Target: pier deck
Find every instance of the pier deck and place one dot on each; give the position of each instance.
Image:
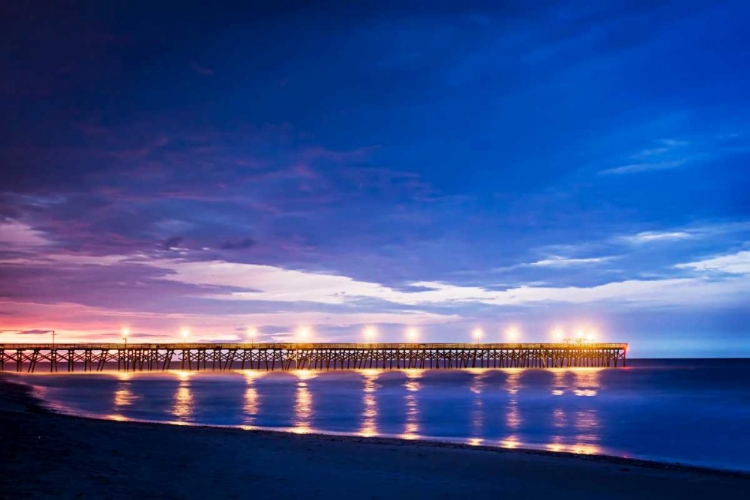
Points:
(318, 356)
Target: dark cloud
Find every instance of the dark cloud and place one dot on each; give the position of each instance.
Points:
(27, 332)
(241, 244)
(172, 243)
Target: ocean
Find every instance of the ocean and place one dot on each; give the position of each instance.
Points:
(682, 411)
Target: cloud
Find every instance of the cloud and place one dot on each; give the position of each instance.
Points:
(27, 332)
(325, 154)
(269, 283)
(60, 260)
(19, 234)
(172, 243)
(664, 154)
(643, 167)
(737, 263)
(556, 261)
(657, 236)
(241, 244)
(674, 142)
(705, 230)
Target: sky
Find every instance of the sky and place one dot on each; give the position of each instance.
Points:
(444, 166)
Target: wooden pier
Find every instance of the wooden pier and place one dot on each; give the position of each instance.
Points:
(297, 356)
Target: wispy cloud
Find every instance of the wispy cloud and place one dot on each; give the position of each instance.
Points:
(643, 167)
(737, 263)
(657, 236)
(707, 229)
(557, 261)
(27, 332)
(664, 154)
(326, 154)
(18, 234)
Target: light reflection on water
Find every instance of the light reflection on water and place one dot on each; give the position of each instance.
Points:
(182, 408)
(512, 386)
(411, 429)
(123, 395)
(651, 414)
(477, 413)
(303, 409)
(370, 403)
(586, 419)
(252, 400)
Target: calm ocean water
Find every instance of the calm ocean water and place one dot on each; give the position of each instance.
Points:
(687, 411)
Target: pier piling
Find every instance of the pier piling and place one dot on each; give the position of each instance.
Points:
(304, 356)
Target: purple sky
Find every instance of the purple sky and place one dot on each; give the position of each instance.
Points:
(572, 165)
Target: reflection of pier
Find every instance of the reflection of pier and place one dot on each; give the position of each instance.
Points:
(273, 356)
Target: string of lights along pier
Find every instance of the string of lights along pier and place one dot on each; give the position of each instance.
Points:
(303, 356)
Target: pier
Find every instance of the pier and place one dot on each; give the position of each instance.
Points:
(54, 358)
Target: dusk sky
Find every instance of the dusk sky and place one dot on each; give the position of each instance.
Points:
(535, 165)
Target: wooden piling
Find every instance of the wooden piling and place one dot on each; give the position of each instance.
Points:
(272, 356)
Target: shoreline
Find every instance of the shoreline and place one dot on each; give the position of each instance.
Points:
(44, 406)
(391, 439)
(17, 403)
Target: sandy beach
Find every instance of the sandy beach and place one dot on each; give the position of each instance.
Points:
(46, 455)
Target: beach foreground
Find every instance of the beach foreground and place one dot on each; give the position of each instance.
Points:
(46, 455)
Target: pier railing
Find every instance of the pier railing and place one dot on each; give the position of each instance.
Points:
(320, 356)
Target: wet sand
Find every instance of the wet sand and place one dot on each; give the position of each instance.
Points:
(46, 455)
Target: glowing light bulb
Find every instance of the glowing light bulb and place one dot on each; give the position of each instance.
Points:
(304, 333)
(185, 332)
(558, 334)
(125, 333)
(513, 334)
(370, 334)
(477, 334)
(412, 333)
(251, 332)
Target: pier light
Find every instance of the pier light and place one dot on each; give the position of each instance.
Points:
(370, 333)
(184, 333)
(513, 334)
(579, 335)
(303, 334)
(251, 333)
(125, 334)
(412, 334)
(477, 334)
(558, 334)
